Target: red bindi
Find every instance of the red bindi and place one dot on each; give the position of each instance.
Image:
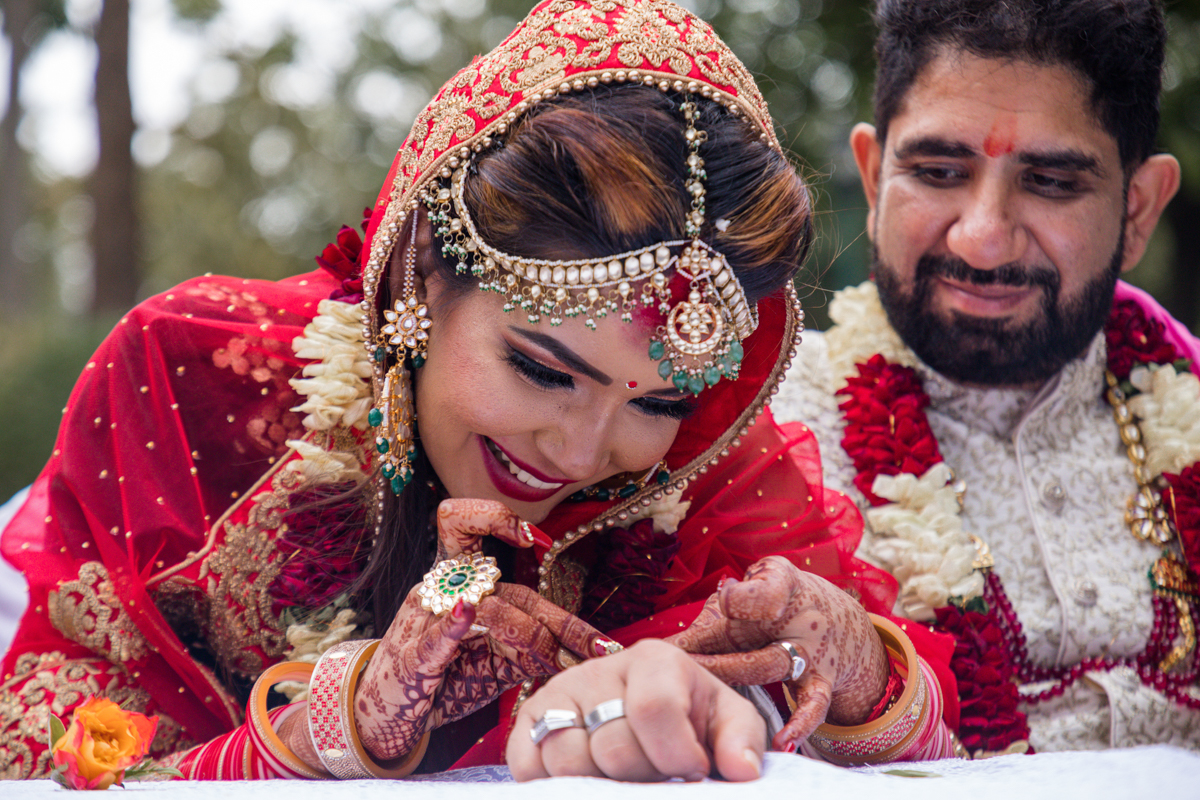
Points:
(631, 385)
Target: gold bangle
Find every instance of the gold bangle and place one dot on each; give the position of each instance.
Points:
(881, 739)
(262, 734)
(331, 715)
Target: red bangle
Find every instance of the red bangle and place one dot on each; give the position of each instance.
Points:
(891, 693)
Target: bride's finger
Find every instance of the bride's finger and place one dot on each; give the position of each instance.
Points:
(461, 523)
(519, 638)
(765, 593)
(569, 630)
(438, 644)
(769, 664)
(812, 695)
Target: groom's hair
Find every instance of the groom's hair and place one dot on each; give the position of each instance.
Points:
(1114, 46)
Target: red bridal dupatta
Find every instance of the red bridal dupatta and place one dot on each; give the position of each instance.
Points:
(152, 539)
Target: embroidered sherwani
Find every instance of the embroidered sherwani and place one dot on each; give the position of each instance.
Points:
(1047, 482)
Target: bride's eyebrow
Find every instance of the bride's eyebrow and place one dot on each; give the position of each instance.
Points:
(564, 354)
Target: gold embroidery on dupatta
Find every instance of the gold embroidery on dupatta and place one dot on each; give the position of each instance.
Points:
(87, 611)
(239, 573)
(51, 683)
(57, 683)
(659, 39)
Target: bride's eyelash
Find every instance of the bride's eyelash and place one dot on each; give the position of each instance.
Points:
(671, 409)
(539, 373)
(548, 378)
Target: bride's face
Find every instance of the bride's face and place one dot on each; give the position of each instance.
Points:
(528, 414)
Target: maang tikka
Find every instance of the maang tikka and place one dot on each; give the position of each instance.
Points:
(701, 340)
(405, 335)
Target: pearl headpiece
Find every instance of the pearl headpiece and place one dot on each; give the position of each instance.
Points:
(701, 340)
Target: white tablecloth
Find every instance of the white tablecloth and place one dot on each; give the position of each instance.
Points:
(1157, 773)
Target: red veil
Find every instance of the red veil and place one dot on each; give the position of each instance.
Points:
(150, 539)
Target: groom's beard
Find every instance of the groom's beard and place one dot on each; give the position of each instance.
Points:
(989, 351)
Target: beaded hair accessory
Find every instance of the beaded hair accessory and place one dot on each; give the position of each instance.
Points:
(563, 47)
(701, 340)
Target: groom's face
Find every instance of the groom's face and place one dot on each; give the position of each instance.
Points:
(997, 218)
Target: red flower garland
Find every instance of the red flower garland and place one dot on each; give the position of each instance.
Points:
(340, 259)
(887, 433)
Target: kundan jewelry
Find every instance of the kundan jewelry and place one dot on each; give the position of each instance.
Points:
(405, 336)
(469, 577)
(701, 340)
(658, 474)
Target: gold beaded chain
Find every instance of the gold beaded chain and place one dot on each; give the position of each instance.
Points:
(1148, 520)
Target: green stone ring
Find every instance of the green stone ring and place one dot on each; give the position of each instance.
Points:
(467, 576)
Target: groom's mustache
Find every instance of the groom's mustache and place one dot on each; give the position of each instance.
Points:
(1012, 274)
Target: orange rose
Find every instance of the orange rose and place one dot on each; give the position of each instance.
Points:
(102, 741)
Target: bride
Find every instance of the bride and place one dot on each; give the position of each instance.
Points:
(527, 431)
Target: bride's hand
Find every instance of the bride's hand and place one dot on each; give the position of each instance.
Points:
(738, 634)
(431, 670)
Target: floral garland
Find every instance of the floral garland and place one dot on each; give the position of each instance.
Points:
(916, 504)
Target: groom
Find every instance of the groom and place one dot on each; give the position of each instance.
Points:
(1021, 445)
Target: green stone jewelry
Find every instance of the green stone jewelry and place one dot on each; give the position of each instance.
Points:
(701, 340)
(405, 335)
(658, 474)
(468, 576)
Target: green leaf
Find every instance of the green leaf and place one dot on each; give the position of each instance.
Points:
(910, 773)
(57, 730)
(148, 768)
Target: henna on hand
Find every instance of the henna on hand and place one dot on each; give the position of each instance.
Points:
(847, 666)
(461, 523)
(430, 671)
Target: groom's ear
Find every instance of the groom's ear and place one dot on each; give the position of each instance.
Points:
(867, 155)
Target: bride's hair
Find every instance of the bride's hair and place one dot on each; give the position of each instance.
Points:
(589, 175)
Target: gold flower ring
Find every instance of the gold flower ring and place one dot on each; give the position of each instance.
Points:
(468, 576)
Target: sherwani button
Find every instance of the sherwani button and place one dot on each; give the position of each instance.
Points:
(1054, 495)
(1086, 593)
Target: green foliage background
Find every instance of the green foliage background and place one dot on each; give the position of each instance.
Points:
(259, 177)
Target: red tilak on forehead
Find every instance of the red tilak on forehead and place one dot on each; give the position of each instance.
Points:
(1002, 139)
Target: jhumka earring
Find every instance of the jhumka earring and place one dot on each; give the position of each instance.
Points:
(701, 340)
(405, 334)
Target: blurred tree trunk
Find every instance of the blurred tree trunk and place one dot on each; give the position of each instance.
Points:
(115, 233)
(1183, 300)
(15, 291)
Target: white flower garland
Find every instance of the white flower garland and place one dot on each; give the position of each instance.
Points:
(1170, 417)
(919, 535)
(337, 384)
(666, 514)
(307, 643)
(337, 391)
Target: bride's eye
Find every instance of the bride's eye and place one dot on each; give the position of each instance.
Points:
(538, 372)
(671, 409)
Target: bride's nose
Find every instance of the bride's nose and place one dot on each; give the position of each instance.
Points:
(578, 444)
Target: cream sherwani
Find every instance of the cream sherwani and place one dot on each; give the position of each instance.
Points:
(1047, 481)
